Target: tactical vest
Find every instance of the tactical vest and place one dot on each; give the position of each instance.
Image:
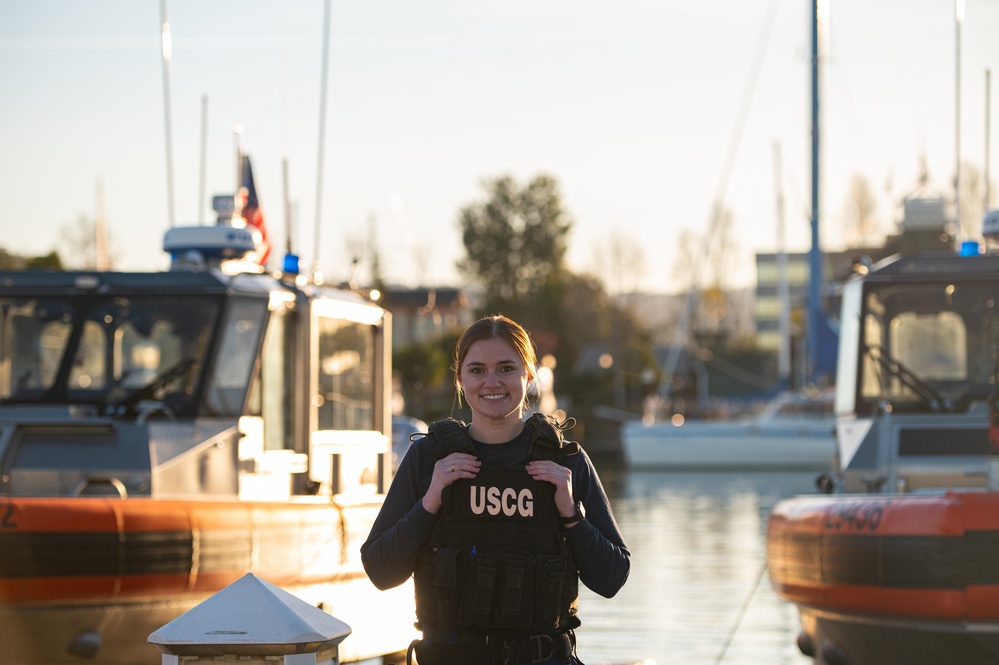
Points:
(498, 557)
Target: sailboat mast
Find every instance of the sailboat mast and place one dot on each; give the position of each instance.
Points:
(783, 296)
(815, 255)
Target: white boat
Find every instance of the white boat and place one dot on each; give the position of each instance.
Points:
(164, 434)
(793, 432)
(896, 566)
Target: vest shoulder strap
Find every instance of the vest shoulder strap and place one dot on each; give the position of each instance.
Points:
(548, 437)
(449, 436)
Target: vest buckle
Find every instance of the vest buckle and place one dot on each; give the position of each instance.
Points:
(542, 643)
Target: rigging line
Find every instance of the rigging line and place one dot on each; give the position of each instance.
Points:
(673, 359)
(742, 614)
(735, 372)
(747, 99)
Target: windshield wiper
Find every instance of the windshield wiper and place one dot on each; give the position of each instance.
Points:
(909, 379)
(148, 391)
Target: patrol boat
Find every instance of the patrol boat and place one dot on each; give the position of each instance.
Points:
(898, 563)
(162, 434)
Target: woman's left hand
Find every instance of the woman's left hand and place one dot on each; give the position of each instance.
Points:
(561, 478)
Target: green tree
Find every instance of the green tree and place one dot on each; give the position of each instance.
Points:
(50, 260)
(423, 371)
(10, 261)
(515, 243)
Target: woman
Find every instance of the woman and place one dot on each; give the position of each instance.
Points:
(496, 521)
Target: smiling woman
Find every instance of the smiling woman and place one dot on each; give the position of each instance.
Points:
(464, 495)
(493, 376)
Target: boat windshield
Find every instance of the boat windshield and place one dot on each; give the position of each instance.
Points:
(114, 352)
(929, 346)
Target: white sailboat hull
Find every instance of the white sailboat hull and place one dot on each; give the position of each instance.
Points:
(791, 434)
(664, 446)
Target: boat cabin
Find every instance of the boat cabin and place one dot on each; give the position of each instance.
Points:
(199, 381)
(919, 337)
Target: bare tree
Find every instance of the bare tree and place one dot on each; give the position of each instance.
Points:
(79, 243)
(704, 268)
(688, 248)
(722, 255)
(619, 262)
(862, 225)
(972, 201)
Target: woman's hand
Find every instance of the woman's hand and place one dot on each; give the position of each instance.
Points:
(446, 471)
(561, 478)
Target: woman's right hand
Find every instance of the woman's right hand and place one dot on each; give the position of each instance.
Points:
(446, 471)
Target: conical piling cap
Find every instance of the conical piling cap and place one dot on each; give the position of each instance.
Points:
(250, 617)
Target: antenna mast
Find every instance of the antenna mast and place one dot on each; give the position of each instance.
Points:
(204, 158)
(167, 46)
(322, 140)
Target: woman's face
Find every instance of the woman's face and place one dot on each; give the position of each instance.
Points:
(494, 379)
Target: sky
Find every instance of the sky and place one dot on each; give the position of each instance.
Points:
(646, 112)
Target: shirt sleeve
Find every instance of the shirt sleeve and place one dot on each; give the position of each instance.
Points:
(601, 554)
(403, 525)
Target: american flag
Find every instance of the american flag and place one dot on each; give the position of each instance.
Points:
(252, 213)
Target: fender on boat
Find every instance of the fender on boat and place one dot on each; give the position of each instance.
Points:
(102, 549)
(922, 556)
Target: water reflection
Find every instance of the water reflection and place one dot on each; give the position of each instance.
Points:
(698, 591)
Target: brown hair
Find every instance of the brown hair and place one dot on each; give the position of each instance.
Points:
(496, 327)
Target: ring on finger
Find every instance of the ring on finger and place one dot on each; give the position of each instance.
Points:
(452, 468)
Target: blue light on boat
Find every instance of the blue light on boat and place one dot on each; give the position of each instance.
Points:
(290, 266)
(970, 248)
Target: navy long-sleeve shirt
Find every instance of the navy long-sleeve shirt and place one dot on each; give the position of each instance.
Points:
(401, 530)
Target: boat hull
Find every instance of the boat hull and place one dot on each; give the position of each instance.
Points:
(663, 446)
(93, 577)
(849, 638)
(886, 579)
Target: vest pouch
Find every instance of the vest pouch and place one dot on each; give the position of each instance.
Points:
(423, 584)
(478, 590)
(446, 573)
(516, 597)
(550, 575)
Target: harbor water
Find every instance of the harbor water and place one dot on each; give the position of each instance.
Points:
(698, 591)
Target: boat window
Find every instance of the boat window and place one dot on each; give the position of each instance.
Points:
(849, 343)
(237, 357)
(346, 390)
(271, 395)
(89, 369)
(110, 351)
(33, 339)
(933, 346)
(871, 375)
(928, 346)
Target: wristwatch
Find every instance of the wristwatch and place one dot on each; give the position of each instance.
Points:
(578, 516)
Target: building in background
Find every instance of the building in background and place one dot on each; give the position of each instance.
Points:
(425, 313)
(924, 227)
